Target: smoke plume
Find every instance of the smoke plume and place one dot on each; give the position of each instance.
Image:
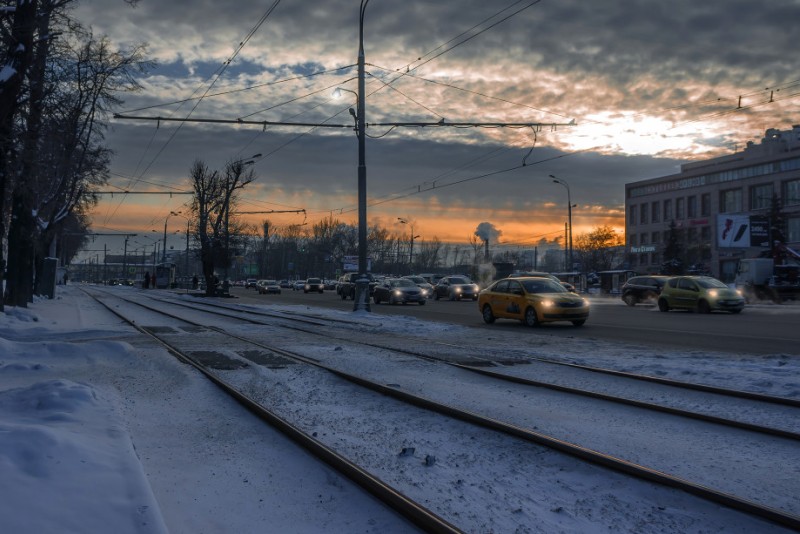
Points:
(488, 233)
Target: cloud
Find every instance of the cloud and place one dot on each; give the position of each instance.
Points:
(651, 85)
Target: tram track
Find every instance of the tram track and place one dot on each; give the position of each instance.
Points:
(629, 468)
(476, 363)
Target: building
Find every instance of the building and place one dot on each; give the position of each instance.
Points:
(722, 208)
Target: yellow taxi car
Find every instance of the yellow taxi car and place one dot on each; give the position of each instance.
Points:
(532, 300)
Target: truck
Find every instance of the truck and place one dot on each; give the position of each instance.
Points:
(765, 279)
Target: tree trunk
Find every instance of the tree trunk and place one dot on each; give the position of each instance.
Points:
(19, 288)
(20, 50)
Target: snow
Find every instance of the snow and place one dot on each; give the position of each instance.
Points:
(100, 432)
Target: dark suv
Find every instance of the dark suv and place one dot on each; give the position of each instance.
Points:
(643, 289)
(347, 285)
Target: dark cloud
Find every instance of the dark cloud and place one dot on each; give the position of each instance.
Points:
(651, 84)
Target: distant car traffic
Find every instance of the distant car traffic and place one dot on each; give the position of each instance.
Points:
(268, 286)
(313, 284)
(298, 285)
(424, 285)
(703, 294)
(455, 288)
(251, 283)
(398, 290)
(532, 300)
(643, 289)
(346, 287)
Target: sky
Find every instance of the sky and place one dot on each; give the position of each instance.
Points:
(102, 431)
(650, 85)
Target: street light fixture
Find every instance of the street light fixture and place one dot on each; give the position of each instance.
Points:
(569, 216)
(411, 248)
(164, 254)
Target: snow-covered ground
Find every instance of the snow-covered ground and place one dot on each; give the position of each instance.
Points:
(101, 431)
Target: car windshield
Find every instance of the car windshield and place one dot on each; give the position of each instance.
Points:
(545, 285)
(709, 283)
(459, 280)
(416, 279)
(314, 280)
(403, 282)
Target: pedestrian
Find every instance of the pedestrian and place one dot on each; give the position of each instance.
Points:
(146, 283)
(195, 282)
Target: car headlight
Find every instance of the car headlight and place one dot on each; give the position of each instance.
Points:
(457, 289)
(397, 292)
(713, 293)
(585, 302)
(547, 303)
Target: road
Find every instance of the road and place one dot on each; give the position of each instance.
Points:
(759, 329)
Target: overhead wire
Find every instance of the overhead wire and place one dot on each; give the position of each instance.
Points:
(220, 71)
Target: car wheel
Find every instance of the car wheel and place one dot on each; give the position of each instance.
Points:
(579, 322)
(488, 316)
(629, 299)
(703, 307)
(531, 319)
(662, 305)
(342, 294)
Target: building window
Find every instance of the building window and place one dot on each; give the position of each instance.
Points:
(632, 216)
(705, 243)
(668, 210)
(643, 218)
(793, 230)
(679, 213)
(655, 238)
(654, 212)
(760, 196)
(791, 193)
(691, 207)
(632, 240)
(643, 239)
(705, 204)
(730, 201)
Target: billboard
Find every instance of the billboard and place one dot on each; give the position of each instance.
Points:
(742, 230)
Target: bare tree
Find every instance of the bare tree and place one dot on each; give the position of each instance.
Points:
(214, 198)
(599, 249)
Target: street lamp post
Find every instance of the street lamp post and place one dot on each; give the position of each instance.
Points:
(164, 253)
(569, 216)
(411, 248)
(361, 301)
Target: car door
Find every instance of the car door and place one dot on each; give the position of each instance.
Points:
(515, 303)
(688, 293)
(498, 299)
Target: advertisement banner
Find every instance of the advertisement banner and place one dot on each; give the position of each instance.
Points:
(733, 230)
(759, 231)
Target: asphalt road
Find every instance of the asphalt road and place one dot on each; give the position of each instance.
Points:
(759, 329)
